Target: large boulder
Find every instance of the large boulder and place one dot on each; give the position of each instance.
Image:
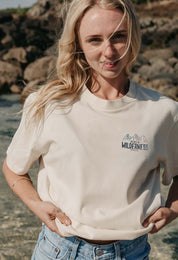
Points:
(40, 69)
(9, 74)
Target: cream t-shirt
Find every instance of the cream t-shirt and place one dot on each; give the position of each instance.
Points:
(100, 160)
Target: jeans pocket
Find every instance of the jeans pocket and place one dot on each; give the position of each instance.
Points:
(52, 250)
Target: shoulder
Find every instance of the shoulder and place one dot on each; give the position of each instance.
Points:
(30, 99)
(157, 101)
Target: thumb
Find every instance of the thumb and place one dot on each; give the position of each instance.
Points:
(148, 221)
(63, 218)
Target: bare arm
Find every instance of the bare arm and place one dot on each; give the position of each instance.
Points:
(167, 214)
(24, 189)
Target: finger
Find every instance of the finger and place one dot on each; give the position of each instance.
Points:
(157, 226)
(51, 225)
(158, 215)
(63, 218)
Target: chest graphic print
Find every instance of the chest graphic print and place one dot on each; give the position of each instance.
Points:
(134, 143)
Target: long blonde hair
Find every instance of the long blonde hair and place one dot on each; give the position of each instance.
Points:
(72, 68)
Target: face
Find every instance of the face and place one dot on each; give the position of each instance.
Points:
(103, 42)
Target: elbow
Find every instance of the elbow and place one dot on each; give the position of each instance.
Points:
(5, 167)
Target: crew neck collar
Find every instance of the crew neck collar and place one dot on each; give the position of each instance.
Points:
(109, 105)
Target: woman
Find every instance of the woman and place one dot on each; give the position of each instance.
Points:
(100, 139)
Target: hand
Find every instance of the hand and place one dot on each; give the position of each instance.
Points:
(160, 218)
(47, 212)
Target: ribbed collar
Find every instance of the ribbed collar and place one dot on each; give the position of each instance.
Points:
(108, 105)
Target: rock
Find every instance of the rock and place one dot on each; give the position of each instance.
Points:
(44, 6)
(164, 54)
(15, 89)
(44, 3)
(144, 71)
(35, 32)
(5, 17)
(172, 61)
(160, 68)
(52, 51)
(33, 53)
(170, 91)
(9, 73)
(40, 68)
(176, 68)
(146, 22)
(2, 33)
(161, 83)
(18, 54)
(7, 42)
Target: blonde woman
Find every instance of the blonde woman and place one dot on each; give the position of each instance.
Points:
(100, 139)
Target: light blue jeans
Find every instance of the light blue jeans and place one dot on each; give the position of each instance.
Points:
(52, 246)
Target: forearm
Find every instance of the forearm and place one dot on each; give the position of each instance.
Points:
(22, 187)
(45, 211)
(172, 199)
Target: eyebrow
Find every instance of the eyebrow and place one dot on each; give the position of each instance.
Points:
(98, 35)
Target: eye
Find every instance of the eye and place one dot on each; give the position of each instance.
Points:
(118, 37)
(95, 40)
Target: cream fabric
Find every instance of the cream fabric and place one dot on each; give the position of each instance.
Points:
(100, 160)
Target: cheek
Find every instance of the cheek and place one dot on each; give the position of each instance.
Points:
(91, 55)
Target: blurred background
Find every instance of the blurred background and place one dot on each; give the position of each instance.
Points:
(29, 30)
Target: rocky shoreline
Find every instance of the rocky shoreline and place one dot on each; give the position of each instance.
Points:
(28, 47)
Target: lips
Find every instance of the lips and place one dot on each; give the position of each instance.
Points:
(110, 64)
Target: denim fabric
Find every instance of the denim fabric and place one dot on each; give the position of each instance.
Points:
(52, 246)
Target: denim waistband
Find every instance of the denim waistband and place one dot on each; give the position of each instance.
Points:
(124, 245)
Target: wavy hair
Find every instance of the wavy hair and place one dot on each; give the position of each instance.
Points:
(72, 68)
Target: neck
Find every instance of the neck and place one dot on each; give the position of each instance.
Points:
(109, 89)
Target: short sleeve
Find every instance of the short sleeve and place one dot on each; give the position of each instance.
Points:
(171, 161)
(24, 148)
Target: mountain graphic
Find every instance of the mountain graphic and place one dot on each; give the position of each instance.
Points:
(135, 139)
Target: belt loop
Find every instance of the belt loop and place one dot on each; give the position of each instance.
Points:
(117, 251)
(74, 249)
(94, 252)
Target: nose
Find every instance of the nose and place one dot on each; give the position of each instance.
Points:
(108, 49)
